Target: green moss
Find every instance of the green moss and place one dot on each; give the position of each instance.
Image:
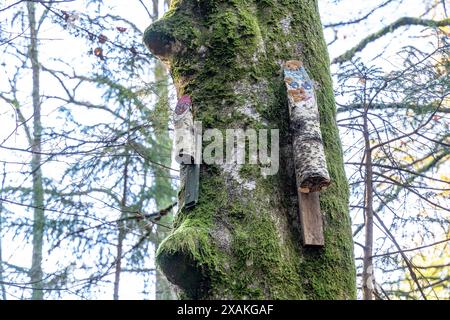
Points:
(233, 32)
(268, 264)
(248, 171)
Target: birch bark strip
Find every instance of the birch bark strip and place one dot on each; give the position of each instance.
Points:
(184, 146)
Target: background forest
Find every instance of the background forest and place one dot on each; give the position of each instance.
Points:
(87, 181)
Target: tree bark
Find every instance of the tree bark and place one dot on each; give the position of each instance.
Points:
(36, 273)
(242, 239)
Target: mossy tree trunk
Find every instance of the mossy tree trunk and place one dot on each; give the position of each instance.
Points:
(242, 239)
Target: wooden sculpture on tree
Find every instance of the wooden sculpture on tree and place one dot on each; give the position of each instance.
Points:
(241, 239)
(309, 157)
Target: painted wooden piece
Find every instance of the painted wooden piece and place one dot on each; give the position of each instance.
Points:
(309, 156)
(311, 219)
(184, 146)
(192, 185)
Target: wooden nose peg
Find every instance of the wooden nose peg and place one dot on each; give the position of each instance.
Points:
(309, 157)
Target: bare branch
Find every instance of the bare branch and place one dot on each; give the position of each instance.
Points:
(402, 22)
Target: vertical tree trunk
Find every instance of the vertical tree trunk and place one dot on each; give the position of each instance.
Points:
(2, 285)
(367, 274)
(242, 238)
(164, 196)
(121, 225)
(36, 274)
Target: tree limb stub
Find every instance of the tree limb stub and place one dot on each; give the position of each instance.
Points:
(241, 242)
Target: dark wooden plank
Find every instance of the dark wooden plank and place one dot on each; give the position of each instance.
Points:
(192, 185)
(311, 219)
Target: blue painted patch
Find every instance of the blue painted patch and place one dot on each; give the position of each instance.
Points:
(307, 85)
(299, 79)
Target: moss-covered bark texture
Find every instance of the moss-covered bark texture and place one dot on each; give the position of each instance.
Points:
(242, 240)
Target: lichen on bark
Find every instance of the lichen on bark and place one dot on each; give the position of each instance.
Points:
(239, 243)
